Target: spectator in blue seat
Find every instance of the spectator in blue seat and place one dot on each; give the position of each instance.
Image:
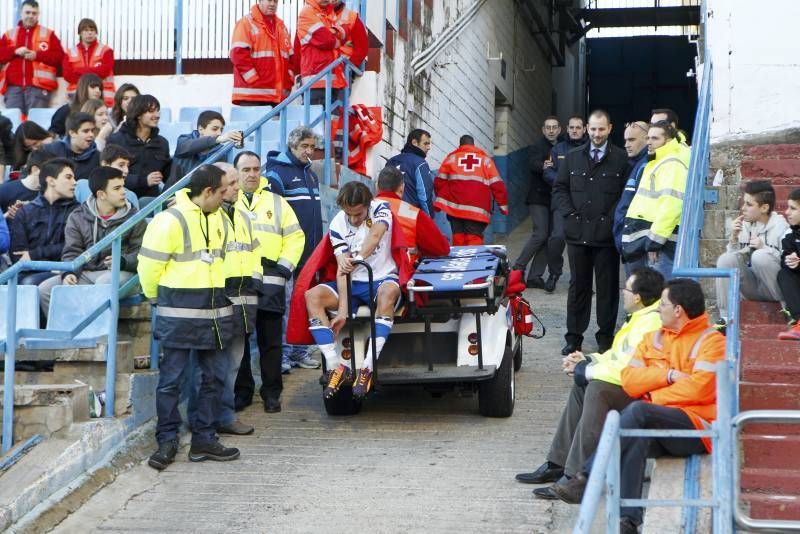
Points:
(78, 145)
(150, 163)
(37, 231)
(101, 214)
(193, 148)
(17, 193)
(28, 137)
(111, 156)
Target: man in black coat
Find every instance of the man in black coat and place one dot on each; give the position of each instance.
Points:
(539, 205)
(589, 185)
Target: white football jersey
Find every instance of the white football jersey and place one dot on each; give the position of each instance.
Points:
(346, 238)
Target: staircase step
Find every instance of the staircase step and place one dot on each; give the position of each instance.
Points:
(769, 168)
(770, 373)
(770, 351)
(763, 331)
(783, 151)
(773, 506)
(771, 481)
(756, 396)
(752, 311)
(771, 451)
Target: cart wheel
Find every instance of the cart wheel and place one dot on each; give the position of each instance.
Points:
(342, 403)
(518, 355)
(496, 396)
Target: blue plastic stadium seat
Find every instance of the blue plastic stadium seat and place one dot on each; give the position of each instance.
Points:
(171, 130)
(297, 113)
(166, 115)
(69, 305)
(190, 114)
(248, 114)
(42, 116)
(27, 309)
(14, 115)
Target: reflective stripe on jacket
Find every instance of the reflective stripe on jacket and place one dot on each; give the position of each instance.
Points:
(651, 223)
(280, 243)
(181, 264)
(81, 59)
(242, 264)
(261, 53)
(319, 38)
(695, 349)
(467, 181)
(43, 75)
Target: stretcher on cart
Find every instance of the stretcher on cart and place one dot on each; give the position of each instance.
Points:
(453, 332)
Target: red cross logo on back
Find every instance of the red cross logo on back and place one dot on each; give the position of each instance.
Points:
(469, 162)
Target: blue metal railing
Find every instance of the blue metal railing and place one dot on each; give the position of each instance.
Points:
(10, 276)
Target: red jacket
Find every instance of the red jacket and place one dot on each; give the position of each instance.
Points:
(356, 42)
(103, 67)
(428, 240)
(19, 71)
(467, 181)
(321, 267)
(319, 38)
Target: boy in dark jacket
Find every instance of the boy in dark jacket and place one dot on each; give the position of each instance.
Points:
(37, 230)
(138, 135)
(101, 214)
(789, 275)
(78, 145)
(192, 149)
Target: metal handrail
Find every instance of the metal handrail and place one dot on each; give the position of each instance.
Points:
(10, 276)
(742, 519)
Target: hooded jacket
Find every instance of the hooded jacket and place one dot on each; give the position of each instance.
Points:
(417, 176)
(772, 233)
(190, 151)
(297, 183)
(146, 157)
(85, 162)
(85, 228)
(39, 227)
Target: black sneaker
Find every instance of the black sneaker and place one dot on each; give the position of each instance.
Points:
(164, 456)
(535, 282)
(272, 405)
(550, 285)
(212, 451)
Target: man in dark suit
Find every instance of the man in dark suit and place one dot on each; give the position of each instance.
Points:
(589, 185)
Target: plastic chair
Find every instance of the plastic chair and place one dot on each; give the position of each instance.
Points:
(14, 115)
(190, 114)
(42, 116)
(248, 114)
(171, 130)
(70, 305)
(27, 309)
(166, 115)
(297, 113)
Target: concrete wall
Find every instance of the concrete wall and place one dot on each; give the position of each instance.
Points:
(756, 71)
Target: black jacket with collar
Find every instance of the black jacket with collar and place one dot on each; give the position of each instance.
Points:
(586, 193)
(147, 156)
(539, 192)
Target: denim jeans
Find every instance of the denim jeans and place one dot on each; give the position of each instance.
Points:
(224, 410)
(212, 365)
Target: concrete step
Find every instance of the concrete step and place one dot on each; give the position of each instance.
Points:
(770, 373)
(771, 451)
(772, 481)
(760, 169)
(48, 409)
(772, 506)
(775, 151)
(757, 396)
(771, 351)
(751, 311)
(760, 332)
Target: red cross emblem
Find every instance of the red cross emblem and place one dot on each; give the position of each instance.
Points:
(469, 162)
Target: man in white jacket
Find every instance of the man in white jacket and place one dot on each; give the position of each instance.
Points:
(754, 248)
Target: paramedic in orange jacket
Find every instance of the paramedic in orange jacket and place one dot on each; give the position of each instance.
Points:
(356, 41)
(423, 237)
(673, 373)
(263, 59)
(464, 188)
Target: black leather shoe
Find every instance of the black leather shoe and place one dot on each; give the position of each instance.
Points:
(545, 493)
(164, 456)
(571, 490)
(627, 526)
(550, 285)
(569, 348)
(212, 451)
(547, 472)
(272, 406)
(535, 283)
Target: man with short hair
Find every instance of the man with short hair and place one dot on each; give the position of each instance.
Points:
(193, 148)
(181, 271)
(597, 388)
(465, 186)
(102, 213)
(666, 114)
(280, 246)
(423, 237)
(417, 174)
(264, 65)
(116, 157)
(78, 145)
(586, 192)
(16, 193)
(30, 55)
(650, 230)
(636, 148)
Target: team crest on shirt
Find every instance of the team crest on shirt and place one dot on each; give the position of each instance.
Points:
(219, 233)
(369, 223)
(269, 214)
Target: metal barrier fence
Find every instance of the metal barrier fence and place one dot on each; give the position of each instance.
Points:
(10, 276)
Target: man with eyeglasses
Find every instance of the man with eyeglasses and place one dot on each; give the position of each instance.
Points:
(636, 147)
(538, 201)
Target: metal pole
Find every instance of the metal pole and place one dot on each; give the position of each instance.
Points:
(179, 38)
(328, 119)
(10, 362)
(612, 488)
(725, 463)
(346, 116)
(111, 349)
(17, 8)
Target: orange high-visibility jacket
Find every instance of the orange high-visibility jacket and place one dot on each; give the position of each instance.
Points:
(262, 57)
(319, 37)
(356, 42)
(695, 350)
(423, 237)
(97, 59)
(467, 181)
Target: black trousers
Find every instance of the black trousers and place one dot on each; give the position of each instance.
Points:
(789, 282)
(586, 264)
(269, 331)
(636, 451)
(545, 245)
